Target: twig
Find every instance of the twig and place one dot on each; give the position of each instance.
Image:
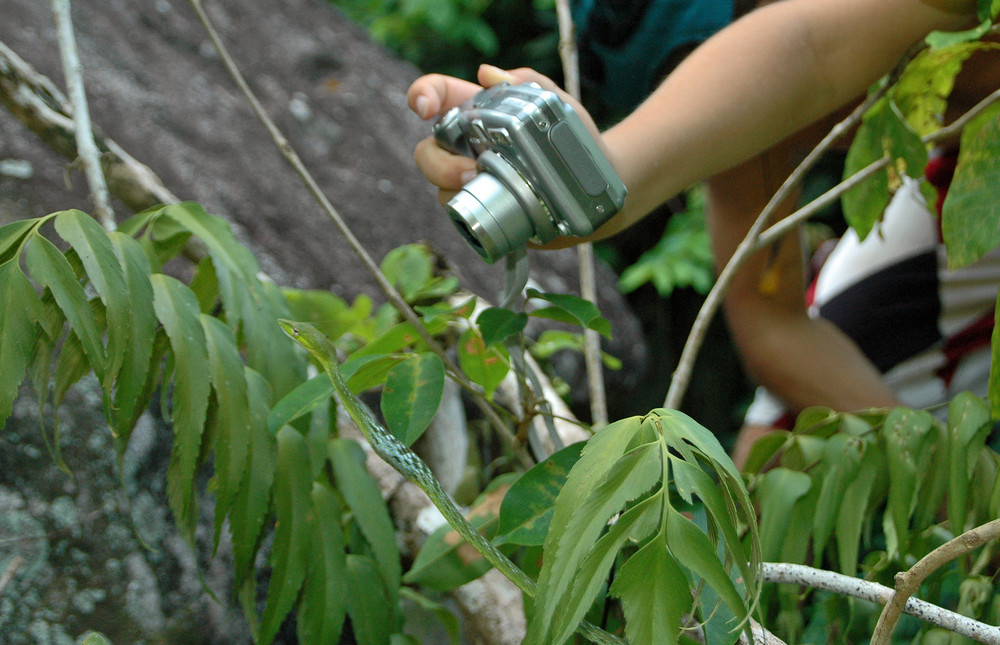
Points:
(907, 582)
(797, 574)
(585, 252)
(760, 636)
(9, 573)
(387, 288)
(86, 147)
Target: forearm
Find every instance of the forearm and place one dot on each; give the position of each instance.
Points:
(764, 77)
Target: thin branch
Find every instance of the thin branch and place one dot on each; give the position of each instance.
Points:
(86, 147)
(797, 574)
(757, 237)
(585, 252)
(387, 288)
(9, 573)
(907, 582)
(685, 366)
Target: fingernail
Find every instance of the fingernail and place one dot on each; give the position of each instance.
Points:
(423, 105)
(468, 176)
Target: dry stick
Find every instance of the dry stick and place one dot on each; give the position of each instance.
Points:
(585, 251)
(387, 288)
(798, 574)
(85, 145)
(907, 582)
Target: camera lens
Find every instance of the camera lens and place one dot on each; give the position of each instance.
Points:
(487, 214)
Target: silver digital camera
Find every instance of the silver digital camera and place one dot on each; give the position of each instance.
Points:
(542, 173)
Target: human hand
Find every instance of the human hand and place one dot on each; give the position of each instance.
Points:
(432, 95)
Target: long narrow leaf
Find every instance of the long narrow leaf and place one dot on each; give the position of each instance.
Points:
(232, 431)
(249, 509)
(324, 594)
(21, 308)
(131, 395)
(631, 476)
(362, 495)
(177, 310)
(292, 536)
(49, 267)
(104, 272)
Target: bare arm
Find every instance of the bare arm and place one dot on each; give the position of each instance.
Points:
(803, 361)
(763, 78)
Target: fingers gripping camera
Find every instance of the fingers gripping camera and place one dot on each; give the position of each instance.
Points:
(543, 174)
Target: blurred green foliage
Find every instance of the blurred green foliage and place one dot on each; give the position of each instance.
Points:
(455, 36)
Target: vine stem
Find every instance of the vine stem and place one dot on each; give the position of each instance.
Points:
(584, 252)
(907, 582)
(86, 148)
(393, 295)
(798, 574)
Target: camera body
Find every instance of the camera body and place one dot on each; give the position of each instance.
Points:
(542, 173)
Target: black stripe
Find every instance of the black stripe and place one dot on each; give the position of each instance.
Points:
(893, 314)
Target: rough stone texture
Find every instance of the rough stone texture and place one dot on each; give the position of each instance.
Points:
(97, 554)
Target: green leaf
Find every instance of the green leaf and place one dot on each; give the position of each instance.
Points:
(484, 365)
(526, 510)
(249, 509)
(232, 421)
(636, 524)
(924, 86)
(97, 255)
(497, 324)
(446, 562)
(250, 306)
(18, 333)
(904, 433)
(863, 205)
(653, 598)
(366, 372)
(777, 492)
(695, 551)
(95, 638)
(573, 534)
(841, 459)
(328, 312)
(994, 382)
(13, 235)
(177, 310)
(411, 396)
(408, 268)
(300, 401)
(49, 267)
(970, 217)
(447, 619)
(361, 493)
(372, 612)
(859, 497)
(322, 608)
(571, 309)
(292, 534)
(132, 391)
(968, 425)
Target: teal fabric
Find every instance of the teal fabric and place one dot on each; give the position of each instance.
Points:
(631, 67)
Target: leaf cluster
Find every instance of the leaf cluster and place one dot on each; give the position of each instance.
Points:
(869, 494)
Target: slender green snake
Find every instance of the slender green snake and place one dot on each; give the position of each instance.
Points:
(408, 464)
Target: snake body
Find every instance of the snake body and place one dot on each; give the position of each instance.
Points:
(408, 464)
